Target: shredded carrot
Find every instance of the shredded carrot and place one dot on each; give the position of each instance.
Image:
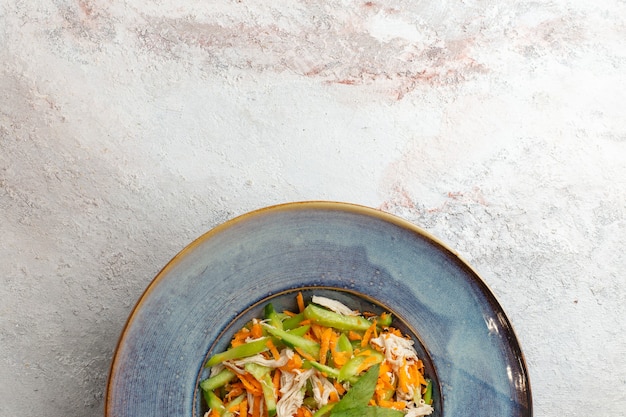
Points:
(340, 388)
(300, 301)
(256, 331)
(332, 342)
(325, 344)
(303, 412)
(384, 383)
(233, 408)
(395, 331)
(289, 313)
(369, 361)
(368, 334)
(276, 382)
(273, 350)
(317, 331)
(240, 337)
(236, 389)
(333, 397)
(416, 376)
(250, 383)
(256, 406)
(352, 335)
(214, 413)
(404, 380)
(384, 316)
(397, 405)
(305, 355)
(243, 408)
(309, 335)
(294, 363)
(339, 358)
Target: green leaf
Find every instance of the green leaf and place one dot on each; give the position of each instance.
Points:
(368, 411)
(360, 394)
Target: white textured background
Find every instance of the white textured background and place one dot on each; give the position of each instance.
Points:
(129, 128)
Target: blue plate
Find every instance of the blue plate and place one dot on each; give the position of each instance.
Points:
(368, 259)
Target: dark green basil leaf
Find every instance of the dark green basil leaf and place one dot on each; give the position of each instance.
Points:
(360, 394)
(368, 411)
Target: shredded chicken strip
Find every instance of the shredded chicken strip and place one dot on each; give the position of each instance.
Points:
(396, 349)
(259, 359)
(292, 392)
(334, 305)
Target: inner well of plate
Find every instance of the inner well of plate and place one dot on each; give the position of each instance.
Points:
(286, 300)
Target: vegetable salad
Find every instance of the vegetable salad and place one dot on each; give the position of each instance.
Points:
(322, 360)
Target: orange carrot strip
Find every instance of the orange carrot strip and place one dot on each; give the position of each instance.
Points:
(273, 350)
(395, 331)
(233, 408)
(339, 358)
(325, 344)
(383, 383)
(303, 412)
(235, 390)
(305, 355)
(317, 331)
(333, 397)
(289, 313)
(300, 301)
(240, 337)
(251, 384)
(384, 316)
(416, 376)
(256, 330)
(369, 361)
(340, 388)
(294, 363)
(396, 405)
(243, 408)
(352, 335)
(403, 377)
(332, 342)
(276, 381)
(256, 406)
(368, 334)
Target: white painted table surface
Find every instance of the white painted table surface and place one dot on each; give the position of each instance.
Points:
(129, 128)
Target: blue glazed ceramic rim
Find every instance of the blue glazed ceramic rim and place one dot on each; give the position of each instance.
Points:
(126, 375)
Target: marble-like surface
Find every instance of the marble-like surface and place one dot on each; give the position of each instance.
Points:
(129, 128)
